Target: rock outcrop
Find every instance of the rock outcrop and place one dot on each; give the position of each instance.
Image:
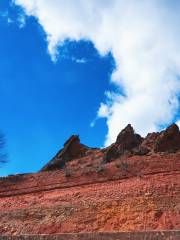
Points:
(133, 185)
(129, 143)
(127, 140)
(72, 149)
(168, 140)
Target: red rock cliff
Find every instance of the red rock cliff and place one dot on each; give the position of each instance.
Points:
(132, 185)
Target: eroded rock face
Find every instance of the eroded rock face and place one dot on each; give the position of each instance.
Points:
(127, 140)
(149, 142)
(168, 140)
(129, 143)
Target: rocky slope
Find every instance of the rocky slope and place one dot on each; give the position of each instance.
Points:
(132, 185)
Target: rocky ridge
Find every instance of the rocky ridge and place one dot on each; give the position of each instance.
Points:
(132, 185)
(128, 143)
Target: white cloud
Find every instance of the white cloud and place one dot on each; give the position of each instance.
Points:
(79, 60)
(92, 124)
(178, 123)
(22, 21)
(143, 37)
(103, 110)
(6, 16)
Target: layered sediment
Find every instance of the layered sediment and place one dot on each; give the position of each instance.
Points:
(132, 185)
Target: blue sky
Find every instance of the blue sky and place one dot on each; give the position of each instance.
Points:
(65, 64)
(42, 102)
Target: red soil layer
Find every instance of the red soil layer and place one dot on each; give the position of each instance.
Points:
(143, 193)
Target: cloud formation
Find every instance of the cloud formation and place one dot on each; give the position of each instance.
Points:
(178, 123)
(143, 37)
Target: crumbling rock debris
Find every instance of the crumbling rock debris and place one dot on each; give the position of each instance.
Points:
(149, 141)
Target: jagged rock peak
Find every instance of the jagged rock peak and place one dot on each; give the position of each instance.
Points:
(164, 141)
(72, 149)
(73, 138)
(127, 131)
(126, 141)
(129, 143)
